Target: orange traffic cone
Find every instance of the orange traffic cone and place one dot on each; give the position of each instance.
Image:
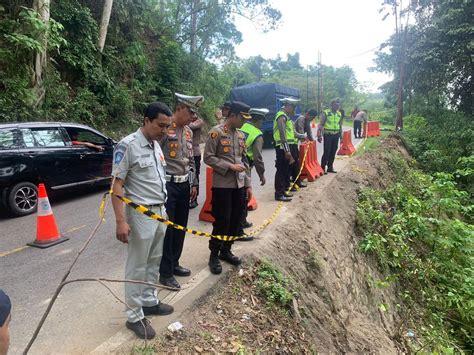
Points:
(47, 233)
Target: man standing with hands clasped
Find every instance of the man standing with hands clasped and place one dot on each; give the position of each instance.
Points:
(139, 174)
(330, 128)
(181, 184)
(225, 153)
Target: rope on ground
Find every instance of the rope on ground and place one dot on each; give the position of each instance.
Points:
(148, 212)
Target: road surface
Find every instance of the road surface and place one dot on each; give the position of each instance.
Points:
(86, 315)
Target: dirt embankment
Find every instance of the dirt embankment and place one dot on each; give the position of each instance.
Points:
(337, 308)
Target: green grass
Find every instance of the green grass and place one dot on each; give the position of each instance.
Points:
(370, 143)
(273, 285)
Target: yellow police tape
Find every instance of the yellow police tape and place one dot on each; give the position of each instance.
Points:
(147, 212)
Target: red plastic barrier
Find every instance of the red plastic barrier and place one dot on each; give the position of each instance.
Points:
(317, 167)
(206, 211)
(311, 168)
(307, 171)
(347, 148)
(371, 129)
(375, 129)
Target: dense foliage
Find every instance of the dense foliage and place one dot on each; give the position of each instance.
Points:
(420, 230)
(153, 48)
(435, 49)
(146, 57)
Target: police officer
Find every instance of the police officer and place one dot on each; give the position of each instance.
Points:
(254, 147)
(196, 126)
(139, 174)
(284, 135)
(330, 128)
(181, 184)
(303, 125)
(225, 109)
(225, 153)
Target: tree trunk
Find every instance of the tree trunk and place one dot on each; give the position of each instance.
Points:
(162, 7)
(194, 11)
(41, 58)
(104, 23)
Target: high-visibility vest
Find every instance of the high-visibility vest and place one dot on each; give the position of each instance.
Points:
(289, 129)
(251, 134)
(332, 121)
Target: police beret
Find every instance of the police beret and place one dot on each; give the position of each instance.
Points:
(240, 108)
(225, 105)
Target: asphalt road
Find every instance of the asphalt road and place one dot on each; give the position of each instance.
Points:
(85, 315)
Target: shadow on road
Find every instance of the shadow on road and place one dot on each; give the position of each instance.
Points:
(59, 197)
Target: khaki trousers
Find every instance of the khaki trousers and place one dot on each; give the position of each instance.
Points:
(145, 248)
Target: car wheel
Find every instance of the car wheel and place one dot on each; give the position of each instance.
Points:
(23, 199)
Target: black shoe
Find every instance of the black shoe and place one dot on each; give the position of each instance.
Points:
(193, 204)
(215, 265)
(230, 258)
(140, 331)
(181, 271)
(161, 309)
(245, 238)
(169, 282)
(283, 198)
(331, 170)
(287, 194)
(294, 188)
(302, 184)
(247, 224)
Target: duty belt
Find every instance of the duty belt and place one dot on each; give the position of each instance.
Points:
(177, 178)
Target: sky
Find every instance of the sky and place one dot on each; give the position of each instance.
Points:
(344, 31)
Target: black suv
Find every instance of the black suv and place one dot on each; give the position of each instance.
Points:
(60, 155)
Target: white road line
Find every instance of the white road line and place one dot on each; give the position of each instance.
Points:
(122, 336)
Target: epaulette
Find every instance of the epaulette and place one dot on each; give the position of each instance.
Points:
(214, 132)
(128, 139)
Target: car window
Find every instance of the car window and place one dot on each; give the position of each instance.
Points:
(42, 137)
(83, 135)
(7, 138)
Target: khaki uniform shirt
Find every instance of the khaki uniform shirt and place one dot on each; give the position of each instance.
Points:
(257, 148)
(141, 165)
(361, 116)
(177, 148)
(302, 126)
(224, 147)
(196, 127)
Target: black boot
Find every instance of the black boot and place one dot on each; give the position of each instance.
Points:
(227, 255)
(214, 263)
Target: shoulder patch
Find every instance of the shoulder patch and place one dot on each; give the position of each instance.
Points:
(119, 152)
